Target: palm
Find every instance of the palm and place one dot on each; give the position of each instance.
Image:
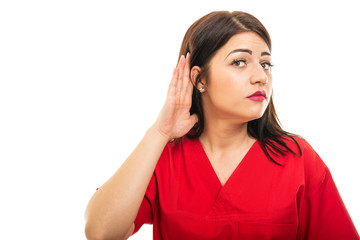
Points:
(175, 119)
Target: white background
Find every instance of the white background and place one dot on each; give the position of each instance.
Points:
(81, 81)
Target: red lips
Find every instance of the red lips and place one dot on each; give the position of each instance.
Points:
(258, 93)
(258, 96)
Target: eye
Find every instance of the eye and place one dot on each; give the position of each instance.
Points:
(267, 66)
(239, 62)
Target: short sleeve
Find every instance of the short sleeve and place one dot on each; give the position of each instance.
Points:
(147, 207)
(149, 204)
(323, 214)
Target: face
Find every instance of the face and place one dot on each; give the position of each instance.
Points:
(240, 69)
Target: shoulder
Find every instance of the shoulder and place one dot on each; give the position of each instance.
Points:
(301, 147)
(312, 165)
(308, 153)
(179, 144)
(302, 158)
(180, 148)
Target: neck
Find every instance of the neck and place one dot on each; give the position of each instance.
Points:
(221, 136)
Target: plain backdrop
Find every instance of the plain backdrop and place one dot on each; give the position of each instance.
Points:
(81, 81)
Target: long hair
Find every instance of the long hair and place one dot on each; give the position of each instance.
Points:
(202, 40)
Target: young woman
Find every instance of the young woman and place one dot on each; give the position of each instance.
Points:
(216, 164)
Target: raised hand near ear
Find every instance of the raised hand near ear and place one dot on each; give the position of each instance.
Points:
(174, 120)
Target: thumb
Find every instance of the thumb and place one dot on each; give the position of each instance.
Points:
(194, 119)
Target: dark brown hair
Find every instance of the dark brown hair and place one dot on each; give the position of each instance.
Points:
(203, 39)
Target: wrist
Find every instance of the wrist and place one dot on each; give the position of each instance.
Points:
(158, 134)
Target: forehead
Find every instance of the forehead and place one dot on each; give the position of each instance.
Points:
(245, 40)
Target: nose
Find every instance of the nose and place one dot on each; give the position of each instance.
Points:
(258, 75)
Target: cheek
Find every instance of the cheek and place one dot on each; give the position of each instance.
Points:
(270, 81)
(228, 94)
(227, 86)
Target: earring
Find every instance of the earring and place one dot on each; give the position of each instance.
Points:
(202, 90)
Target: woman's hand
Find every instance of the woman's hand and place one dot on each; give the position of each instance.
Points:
(174, 120)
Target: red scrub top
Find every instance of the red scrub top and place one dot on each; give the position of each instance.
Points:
(261, 200)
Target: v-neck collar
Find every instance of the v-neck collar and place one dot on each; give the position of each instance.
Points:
(210, 168)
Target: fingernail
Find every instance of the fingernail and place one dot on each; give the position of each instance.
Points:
(187, 54)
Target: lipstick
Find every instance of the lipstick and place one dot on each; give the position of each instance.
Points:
(258, 96)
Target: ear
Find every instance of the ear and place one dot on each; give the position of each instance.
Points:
(194, 74)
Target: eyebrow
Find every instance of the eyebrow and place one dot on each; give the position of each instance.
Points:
(247, 51)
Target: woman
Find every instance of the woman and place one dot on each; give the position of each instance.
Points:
(232, 172)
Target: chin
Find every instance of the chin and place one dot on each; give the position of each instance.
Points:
(253, 114)
(252, 119)
(240, 119)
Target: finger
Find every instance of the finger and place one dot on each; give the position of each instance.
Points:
(174, 79)
(188, 91)
(181, 66)
(175, 76)
(186, 79)
(187, 98)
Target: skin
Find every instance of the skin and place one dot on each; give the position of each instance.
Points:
(233, 76)
(111, 211)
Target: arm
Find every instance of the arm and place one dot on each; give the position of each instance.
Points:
(112, 210)
(322, 214)
(114, 206)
